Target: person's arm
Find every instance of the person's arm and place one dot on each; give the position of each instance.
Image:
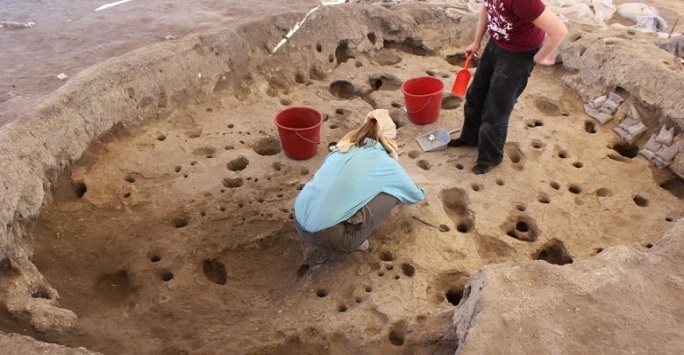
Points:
(555, 32)
(479, 32)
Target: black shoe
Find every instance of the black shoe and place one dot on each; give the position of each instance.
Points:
(481, 168)
(458, 142)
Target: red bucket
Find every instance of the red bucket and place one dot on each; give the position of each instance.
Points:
(423, 98)
(299, 129)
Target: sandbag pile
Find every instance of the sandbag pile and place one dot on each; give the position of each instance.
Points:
(603, 108)
(631, 127)
(659, 149)
(644, 17)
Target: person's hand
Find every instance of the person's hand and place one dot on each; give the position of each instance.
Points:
(472, 48)
(549, 60)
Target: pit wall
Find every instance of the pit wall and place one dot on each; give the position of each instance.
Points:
(149, 84)
(632, 62)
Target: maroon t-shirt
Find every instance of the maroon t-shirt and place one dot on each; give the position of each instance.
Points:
(510, 23)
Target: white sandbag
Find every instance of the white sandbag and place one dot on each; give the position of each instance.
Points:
(643, 15)
(665, 135)
(562, 3)
(579, 12)
(603, 10)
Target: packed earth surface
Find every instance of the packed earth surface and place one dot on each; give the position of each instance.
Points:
(148, 197)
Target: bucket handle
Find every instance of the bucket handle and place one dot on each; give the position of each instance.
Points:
(306, 139)
(421, 109)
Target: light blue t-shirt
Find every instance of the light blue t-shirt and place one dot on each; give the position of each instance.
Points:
(347, 181)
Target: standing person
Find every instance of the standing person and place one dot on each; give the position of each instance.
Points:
(522, 33)
(357, 186)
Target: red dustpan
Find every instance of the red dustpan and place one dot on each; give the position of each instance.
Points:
(462, 79)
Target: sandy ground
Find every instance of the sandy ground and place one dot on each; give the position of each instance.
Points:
(177, 237)
(69, 36)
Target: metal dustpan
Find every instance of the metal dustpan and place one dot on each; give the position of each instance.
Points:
(435, 140)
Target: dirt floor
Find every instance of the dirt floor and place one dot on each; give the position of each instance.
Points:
(69, 36)
(177, 237)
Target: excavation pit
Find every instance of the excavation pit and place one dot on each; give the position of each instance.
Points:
(159, 238)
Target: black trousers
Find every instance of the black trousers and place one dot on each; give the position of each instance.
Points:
(500, 78)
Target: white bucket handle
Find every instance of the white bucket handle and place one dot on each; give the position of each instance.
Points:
(424, 106)
(306, 139)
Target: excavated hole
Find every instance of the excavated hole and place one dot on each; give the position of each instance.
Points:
(547, 106)
(554, 252)
(454, 296)
(451, 102)
(543, 198)
(396, 338)
(115, 287)
(589, 127)
(465, 226)
(408, 269)
(180, 222)
(267, 146)
(575, 189)
(386, 256)
(6, 268)
(232, 182)
(535, 123)
(80, 189)
(626, 150)
(342, 89)
(537, 144)
(342, 52)
(675, 186)
(424, 164)
(215, 271)
(40, 292)
(640, 201)
(385, 82)
(238, 164)
(166, 276)
(523, 229)
(604, 192)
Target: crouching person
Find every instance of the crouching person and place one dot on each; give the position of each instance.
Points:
(357, 186)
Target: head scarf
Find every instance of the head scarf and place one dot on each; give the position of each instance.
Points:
(387, 131)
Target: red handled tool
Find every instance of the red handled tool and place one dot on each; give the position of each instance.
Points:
(462, 79)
